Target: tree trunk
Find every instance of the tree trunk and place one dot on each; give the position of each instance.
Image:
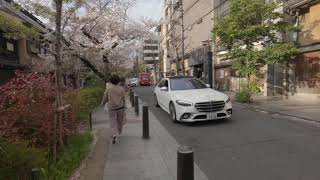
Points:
(87, 63)
(58, 73)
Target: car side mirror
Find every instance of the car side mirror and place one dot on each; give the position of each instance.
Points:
(164, 88)
(208, 85)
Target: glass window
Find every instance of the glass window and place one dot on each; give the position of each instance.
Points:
(186, 84)
(166, 83)
(145, 78)
(161, 84)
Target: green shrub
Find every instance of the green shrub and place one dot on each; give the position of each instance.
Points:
(243, 96)
(17, 160)
(90, 97)
(247, 91)
(70, 157)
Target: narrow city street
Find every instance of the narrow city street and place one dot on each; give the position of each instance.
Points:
(250, 146)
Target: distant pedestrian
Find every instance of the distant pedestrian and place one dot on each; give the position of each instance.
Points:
(114, 96)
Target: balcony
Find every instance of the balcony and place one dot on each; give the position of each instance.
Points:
(150, 60)
(296, 4)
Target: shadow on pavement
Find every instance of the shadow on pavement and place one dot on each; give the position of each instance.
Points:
(206, 123)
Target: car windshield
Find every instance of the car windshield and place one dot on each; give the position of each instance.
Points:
(186, 84)
(145, 77)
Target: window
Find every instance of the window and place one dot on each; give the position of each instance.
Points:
(166, 83)
(161, 84)
(8, 49)
(186, 84)
(10, 46)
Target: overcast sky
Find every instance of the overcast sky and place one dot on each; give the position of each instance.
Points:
(146, 8)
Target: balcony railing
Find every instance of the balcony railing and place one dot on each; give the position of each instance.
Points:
(297, 3)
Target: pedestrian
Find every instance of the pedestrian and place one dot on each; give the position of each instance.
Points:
(114, 97)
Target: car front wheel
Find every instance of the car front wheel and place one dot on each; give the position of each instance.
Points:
(173, 114)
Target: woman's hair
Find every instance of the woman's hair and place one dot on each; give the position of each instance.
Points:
(114, 79)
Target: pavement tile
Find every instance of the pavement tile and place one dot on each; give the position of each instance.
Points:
(134, 158)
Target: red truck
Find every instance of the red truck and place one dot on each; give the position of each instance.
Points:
(145, 79)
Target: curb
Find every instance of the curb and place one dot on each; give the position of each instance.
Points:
(76, 175)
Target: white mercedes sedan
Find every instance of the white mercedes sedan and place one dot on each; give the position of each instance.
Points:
(188, 99)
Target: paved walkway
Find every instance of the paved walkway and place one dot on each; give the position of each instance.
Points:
(134, 158)
(297, 108)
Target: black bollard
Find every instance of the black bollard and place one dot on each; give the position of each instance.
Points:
(35, 174)
(145, 123)
(132, 97)
(185, 169)
(136, 105)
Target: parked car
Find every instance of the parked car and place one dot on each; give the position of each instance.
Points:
(133, 82)
(188, 99)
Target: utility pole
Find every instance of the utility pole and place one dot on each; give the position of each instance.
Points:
(155, 68)
(182, 37)
(213, 50)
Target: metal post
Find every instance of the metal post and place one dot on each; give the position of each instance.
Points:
(145, 123)
(136, 105)
(90, 120)
(182, 38)
(35, 174)
(210, 72)
(131, 97)
(185, 169)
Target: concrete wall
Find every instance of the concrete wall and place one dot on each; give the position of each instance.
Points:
(198, 22)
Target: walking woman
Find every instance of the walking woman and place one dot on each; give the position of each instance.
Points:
(114, 96)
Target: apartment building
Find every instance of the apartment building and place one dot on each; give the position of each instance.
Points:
(151, 56)
(19, 53)
(190, 20)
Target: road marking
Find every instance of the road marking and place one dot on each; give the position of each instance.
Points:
(265, 112)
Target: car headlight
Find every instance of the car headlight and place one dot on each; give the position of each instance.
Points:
(184, 103)
(228, 100)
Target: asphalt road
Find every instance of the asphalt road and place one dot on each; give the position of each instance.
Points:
(250, 146)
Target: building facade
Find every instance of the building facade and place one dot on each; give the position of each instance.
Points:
(300, 76)
(151, 56)
(186, 26)
(305, 68)
(18, 53)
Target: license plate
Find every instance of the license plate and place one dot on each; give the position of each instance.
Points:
(211, 116)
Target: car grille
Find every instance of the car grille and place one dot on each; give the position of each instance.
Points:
(211, 106)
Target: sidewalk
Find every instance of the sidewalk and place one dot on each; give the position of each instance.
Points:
(134, 158)
(297, 108)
